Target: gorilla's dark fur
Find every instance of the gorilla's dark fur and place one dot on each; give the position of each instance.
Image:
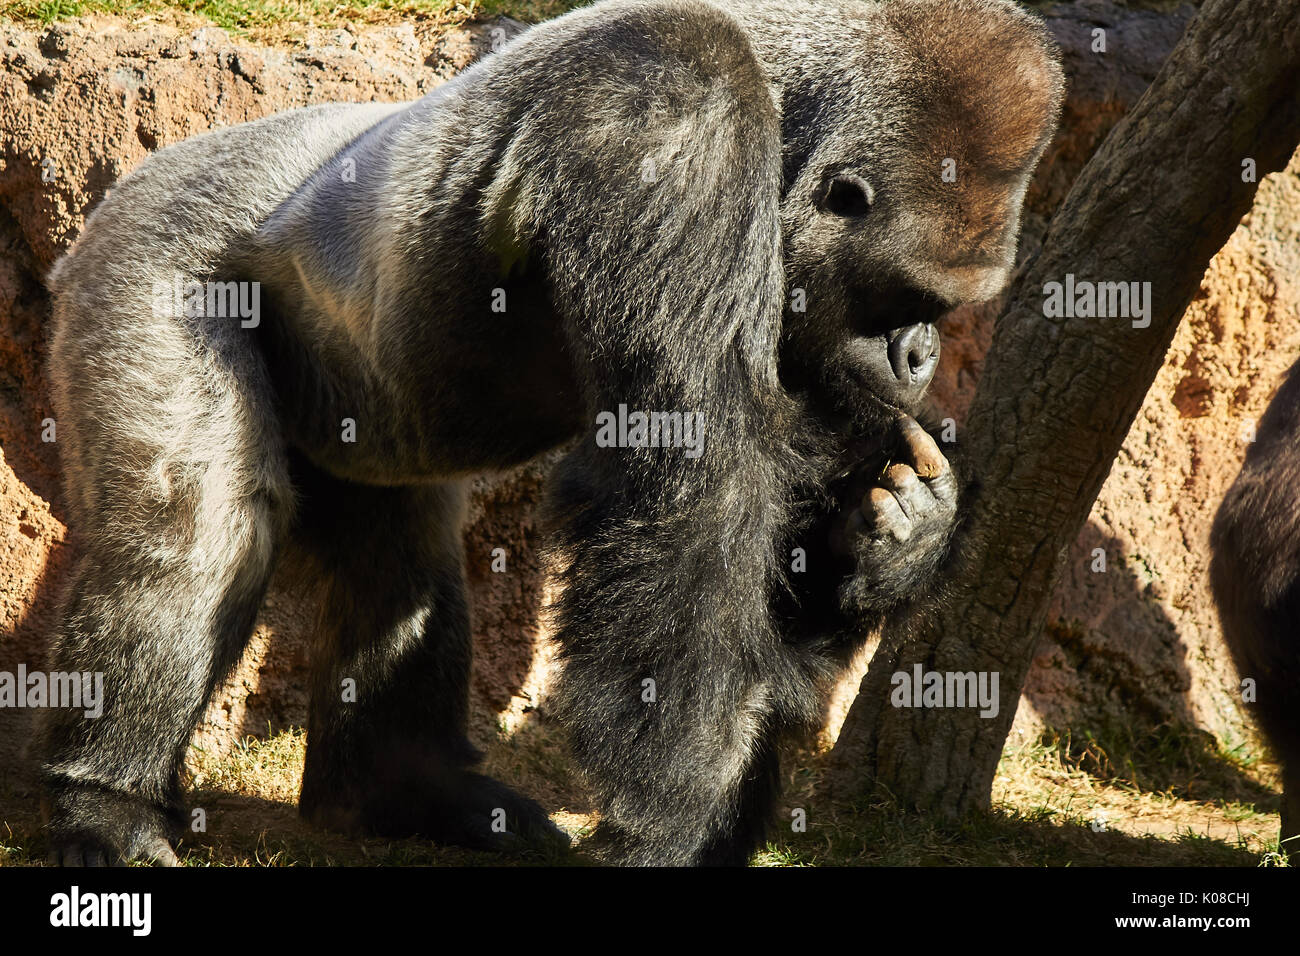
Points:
(657, 189)
(1255, 573)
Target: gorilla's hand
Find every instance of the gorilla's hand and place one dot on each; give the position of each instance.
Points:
(898, 520)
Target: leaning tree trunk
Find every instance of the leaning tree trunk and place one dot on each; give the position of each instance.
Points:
(1058, 395)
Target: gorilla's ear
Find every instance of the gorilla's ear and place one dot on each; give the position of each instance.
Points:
(846, 194)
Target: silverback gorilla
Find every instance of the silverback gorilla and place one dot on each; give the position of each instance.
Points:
(1255, 574)
(746, 215)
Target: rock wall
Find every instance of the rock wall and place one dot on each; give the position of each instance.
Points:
(85, 102)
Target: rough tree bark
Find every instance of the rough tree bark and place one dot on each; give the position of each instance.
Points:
(1058, 395)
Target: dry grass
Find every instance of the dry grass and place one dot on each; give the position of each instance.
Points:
(1059, 803)
(1166, 799)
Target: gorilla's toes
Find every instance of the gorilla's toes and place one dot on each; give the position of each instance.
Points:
(159, 853)
(94, 826)
(491, 816)
(94, 854)
(451, 806)
(74, 854)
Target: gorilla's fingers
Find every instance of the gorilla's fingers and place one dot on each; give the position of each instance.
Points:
(920, 450)
(103, 857)
(912, 495)
(884, 514)
(944, 488)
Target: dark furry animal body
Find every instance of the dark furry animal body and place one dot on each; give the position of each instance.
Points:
(748, 212)
(1255, 574)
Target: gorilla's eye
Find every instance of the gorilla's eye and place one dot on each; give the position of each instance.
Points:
(847, 195)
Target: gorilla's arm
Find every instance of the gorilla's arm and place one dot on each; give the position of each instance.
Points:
(666, 265)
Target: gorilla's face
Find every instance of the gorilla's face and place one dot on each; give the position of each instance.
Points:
(908, 206)
(875, 255)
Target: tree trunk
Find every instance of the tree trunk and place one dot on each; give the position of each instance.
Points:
(1058, 395)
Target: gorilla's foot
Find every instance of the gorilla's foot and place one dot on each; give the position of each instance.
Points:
(486, 814)
(95, 826)
(454, 809)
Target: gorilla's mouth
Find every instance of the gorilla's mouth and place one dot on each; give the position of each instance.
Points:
(914, 354)
(896, 366)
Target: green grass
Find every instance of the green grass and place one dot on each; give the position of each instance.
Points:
(263, 18)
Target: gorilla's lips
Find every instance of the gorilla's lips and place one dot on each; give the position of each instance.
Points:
(894, 367)
(893, 345)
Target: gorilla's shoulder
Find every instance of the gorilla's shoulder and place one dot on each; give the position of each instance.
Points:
(699, 37)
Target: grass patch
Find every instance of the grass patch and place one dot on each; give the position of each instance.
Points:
(272, 20)
(1166, 797)
(1185, 762)
(250, 794)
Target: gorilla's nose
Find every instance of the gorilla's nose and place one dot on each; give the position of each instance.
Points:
(914, 354)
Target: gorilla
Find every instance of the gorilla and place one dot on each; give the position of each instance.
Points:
(1255, 576)
(311, 330)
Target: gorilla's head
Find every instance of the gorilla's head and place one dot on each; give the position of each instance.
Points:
(905, 171)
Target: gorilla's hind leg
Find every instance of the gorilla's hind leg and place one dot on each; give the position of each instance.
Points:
(755, 804)
(387, 751)
(162, 617)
